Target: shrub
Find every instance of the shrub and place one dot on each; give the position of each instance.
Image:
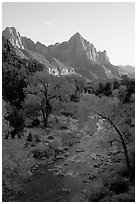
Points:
(40, 151)
(28, 122)
(16, 162)
(97, 194)
(35, 122)
(70, 138)
(118, 186)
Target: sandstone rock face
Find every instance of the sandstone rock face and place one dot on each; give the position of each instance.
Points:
(13, 36)
(40, 48)
(28, 43)
(78, 47)
(68, 51)
(102, 57)
(76, 52)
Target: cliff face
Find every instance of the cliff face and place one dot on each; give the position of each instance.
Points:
(28, 43)
(13, 36)
(102, 57)
(76, 52)
(77, 47)
(17, 47)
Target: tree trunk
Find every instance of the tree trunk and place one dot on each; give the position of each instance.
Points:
(124, 148)
(45, 118)
(123, 144)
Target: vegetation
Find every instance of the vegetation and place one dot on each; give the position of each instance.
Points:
(47, 94)
(61, 111)
(112, 112)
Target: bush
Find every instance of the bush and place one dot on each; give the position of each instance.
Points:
(118, 186)
(40, 151)
(28, 122)
(69, 138)
(35, 122)
(16, 163)
(97, 191)
(70, 110)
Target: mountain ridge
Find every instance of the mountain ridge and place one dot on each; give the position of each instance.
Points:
(26, 43)
(77, 53)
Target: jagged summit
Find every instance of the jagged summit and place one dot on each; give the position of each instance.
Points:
(76, 46)
(103, 57)
(77, 52)
(12, 28)
(76, 35)
(13, 36)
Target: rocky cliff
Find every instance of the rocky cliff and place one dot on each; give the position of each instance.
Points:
(76, 52)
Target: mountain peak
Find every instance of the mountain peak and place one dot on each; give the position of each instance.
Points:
(77, 36)
(10, 28)
(13, 36)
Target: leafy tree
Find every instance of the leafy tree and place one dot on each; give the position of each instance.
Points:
(12, 85)
(115, 93)
(122, 93)
(16, 120)
(6, 129)
(108, 89)
(100, 89)
(116, 85)
(125, 93)
(88, 88)
(16, 158)
(80, 85)
(47, 93)
(130, 87)
(15, 71)
(13, 122)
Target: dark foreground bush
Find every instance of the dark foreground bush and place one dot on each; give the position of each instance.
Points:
(97, 195)
(17, 161)
(119, 186)
(35, 122)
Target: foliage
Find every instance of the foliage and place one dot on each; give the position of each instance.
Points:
(17, 162)
(115, 114)
(40, 151)
(80, 85)
(69, 109)
(68, 138)
(90, 103)
(16, 159)
(104, 89)
(16, 120)
(122, 89)
(122, 92)
(15, 71)
(47, 94)
(121, 114)
(6, 129)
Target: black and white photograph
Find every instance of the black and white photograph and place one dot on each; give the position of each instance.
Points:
(68, 101)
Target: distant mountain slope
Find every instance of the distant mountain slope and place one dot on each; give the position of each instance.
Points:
(76, 55)
(128, 68)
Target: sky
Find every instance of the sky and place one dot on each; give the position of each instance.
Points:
(108, 26)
